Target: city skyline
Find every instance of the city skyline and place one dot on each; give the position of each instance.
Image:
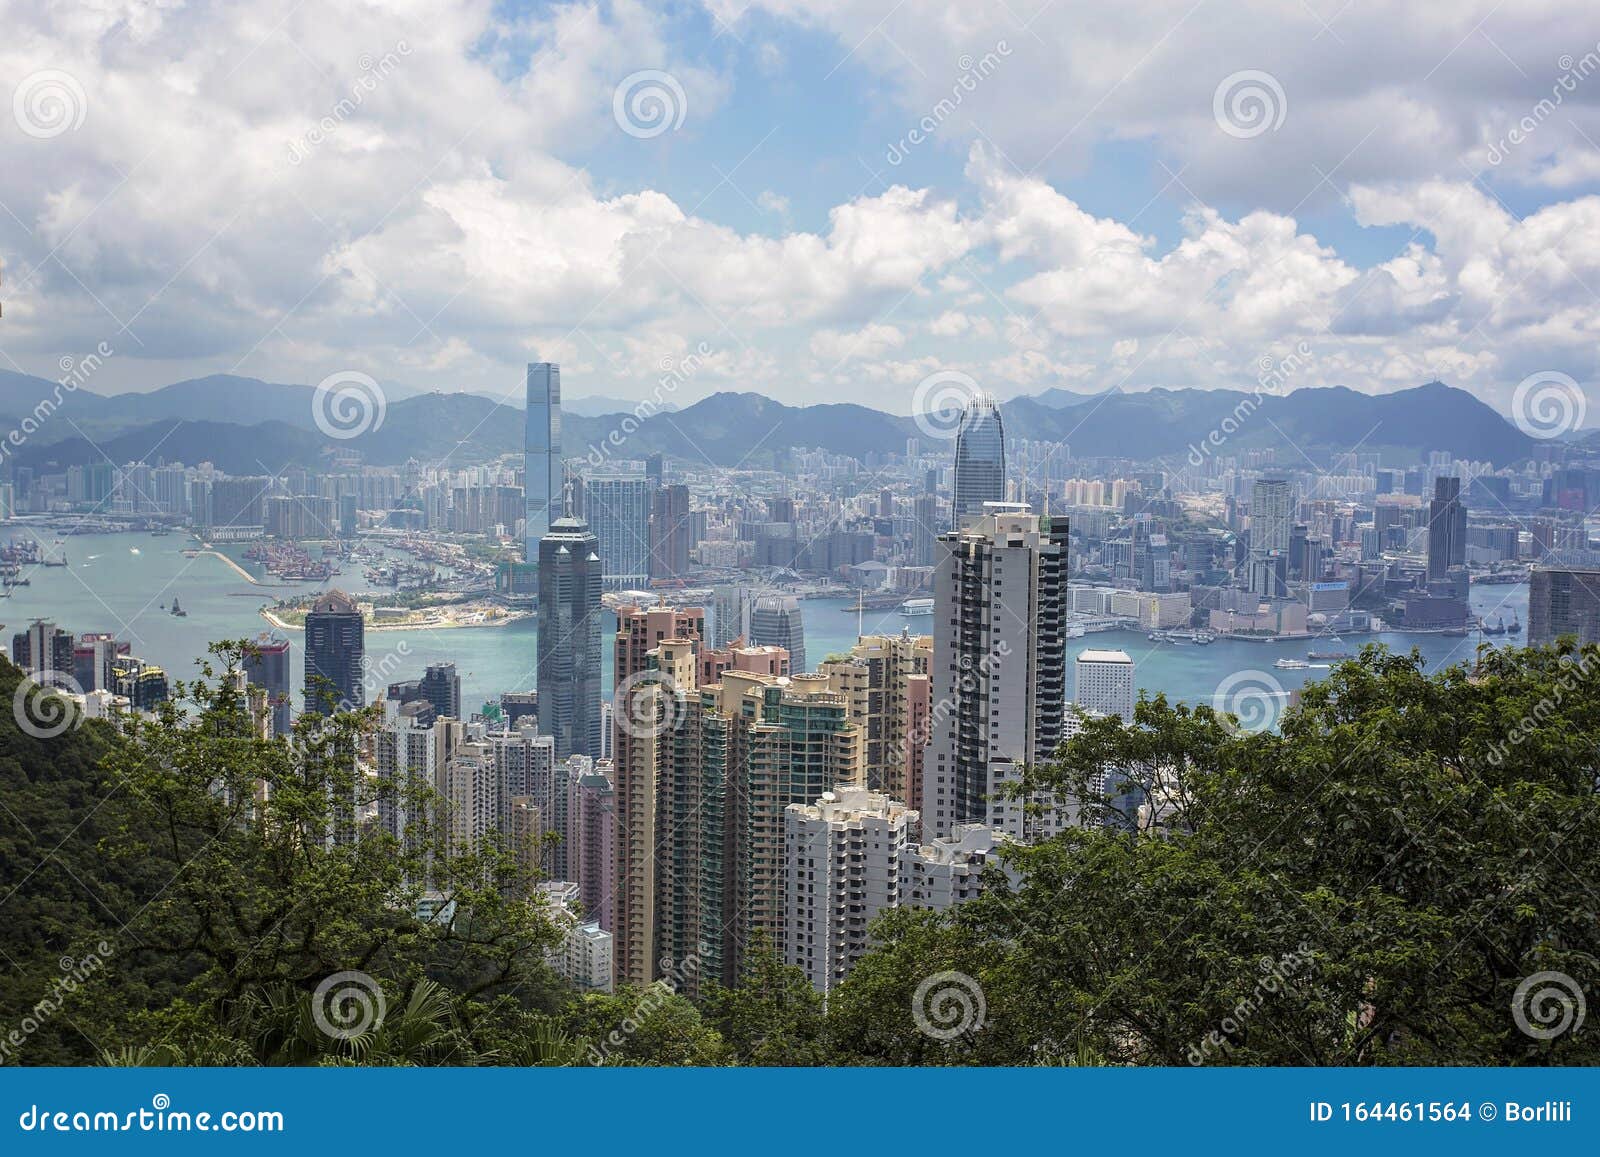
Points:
(1011, 534)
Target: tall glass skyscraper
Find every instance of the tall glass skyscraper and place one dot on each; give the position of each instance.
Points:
(541, 455)
(775, 621)
(568, 645)
(335, 643)
(980, 459)
(617, 507)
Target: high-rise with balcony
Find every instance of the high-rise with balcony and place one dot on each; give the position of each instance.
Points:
(541, 455)
(980, 461)
(885, 681)
(999, 661)
(654, 672)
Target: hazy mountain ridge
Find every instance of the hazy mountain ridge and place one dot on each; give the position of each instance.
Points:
(275, 422)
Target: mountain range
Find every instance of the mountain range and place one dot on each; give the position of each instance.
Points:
(249, 426)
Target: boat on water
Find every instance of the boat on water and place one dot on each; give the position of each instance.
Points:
(1330, 656)
(1292, 665)
(1498, 629)
(178, 611)
(1516, 626)
(1461, 632)
(917, 607)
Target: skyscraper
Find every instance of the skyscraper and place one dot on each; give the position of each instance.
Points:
(775, 622)
(1447, 528)
(1271, 521)
(1563, 601)
(568, 646)
(730, 615)
(441, 687)
(884, 679)
(664, 640)
(266, 665)
(671, 534)
(980, 474)
(335, 647)
(999, 662)
(1104, 683)
(541, 454)
(617, 507)
(43, 648)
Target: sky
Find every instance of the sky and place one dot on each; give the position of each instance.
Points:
(834, 200)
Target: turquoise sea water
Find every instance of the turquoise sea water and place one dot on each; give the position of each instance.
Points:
(126, 582)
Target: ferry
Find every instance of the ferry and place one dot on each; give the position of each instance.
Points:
(1330, 656)
(1292, 665)
(917, 607)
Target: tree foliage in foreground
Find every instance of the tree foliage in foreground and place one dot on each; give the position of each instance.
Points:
(1370, 885)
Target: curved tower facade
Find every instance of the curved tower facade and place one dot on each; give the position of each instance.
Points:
(980, 459)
